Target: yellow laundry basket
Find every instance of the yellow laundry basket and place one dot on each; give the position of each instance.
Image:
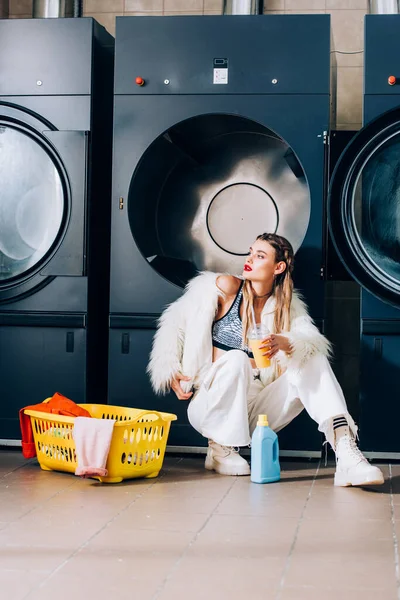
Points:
(137, 446)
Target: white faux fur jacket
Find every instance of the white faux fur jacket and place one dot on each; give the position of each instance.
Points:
(183, 340)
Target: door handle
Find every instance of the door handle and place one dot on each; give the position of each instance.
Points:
(70, 341)
(378, 345)
(125, 343)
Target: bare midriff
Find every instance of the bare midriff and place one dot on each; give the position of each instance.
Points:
(217, 353)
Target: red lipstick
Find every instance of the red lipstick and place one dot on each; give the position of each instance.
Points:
(247, 268)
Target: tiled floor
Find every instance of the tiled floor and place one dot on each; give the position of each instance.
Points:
(193, 534)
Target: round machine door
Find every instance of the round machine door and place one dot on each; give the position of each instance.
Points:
(35, 203)
(220, 181)
(364, 207)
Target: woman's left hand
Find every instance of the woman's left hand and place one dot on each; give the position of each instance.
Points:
(273, 343)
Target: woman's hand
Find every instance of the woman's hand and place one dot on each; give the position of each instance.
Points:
(176, 386)
(273, 343)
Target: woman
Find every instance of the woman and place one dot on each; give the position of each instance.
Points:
(200, 352)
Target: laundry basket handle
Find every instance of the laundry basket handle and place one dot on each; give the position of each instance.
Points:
(149, 412)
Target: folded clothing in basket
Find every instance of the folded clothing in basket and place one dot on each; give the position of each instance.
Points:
(57, 405)
(92, 444)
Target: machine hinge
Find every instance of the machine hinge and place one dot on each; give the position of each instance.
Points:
(325, 137)
(121, 204)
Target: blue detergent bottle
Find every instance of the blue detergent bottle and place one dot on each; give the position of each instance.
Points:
(265, 467)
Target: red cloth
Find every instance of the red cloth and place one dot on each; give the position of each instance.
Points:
(57, 405)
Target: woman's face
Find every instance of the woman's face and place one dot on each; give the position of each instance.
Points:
(261, 265)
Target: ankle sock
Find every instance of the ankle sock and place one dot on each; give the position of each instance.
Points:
(340, 427)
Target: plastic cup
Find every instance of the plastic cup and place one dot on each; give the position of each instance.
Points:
(256, 336)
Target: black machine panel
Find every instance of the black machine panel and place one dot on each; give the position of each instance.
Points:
(221, 55)
(58, 62)
(379, 373)
(55, 175)
(382, 57)
(46, 358)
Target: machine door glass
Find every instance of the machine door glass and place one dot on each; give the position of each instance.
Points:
(31, 202)
(364, 207)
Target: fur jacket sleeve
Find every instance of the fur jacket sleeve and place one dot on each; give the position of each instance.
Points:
(304, 337)
(183, 342)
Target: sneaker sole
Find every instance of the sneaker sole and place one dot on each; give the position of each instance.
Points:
(343, 481)
(210, 465)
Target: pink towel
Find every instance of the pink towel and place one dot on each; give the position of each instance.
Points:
(92, 442)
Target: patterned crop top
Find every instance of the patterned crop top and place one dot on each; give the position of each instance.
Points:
(227, 332)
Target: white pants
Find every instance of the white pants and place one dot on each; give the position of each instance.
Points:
(226, 407)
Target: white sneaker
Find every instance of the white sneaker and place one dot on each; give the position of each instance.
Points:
(225, 460)
(352, 468)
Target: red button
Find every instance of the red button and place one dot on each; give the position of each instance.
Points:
(139, 80)
(392, 80)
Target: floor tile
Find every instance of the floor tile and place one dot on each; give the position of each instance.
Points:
(109, 584)
(140, 541)
(11, 461)
(246, 537)
(264, 500)
(345, 530)
(184, 503)
(312, 593)
(328, 507)
(342, 574)
(224, 577)
(15, 584)
(33, 558)
(330, 549)
(144, 518)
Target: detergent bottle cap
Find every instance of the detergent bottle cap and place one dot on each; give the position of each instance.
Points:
(262, 420)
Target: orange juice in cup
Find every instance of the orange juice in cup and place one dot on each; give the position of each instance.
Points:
(256, 335)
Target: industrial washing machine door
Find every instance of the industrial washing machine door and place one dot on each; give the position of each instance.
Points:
(42, 202)
(364, 207)
(219, 181)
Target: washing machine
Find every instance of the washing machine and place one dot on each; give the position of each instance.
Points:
(219, 135)
(55, 175)
(364, 214)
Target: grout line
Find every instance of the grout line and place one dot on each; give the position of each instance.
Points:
(174, 567)
(41, 503)
(296, 533)
(109, 522)
(29, 462)
(395, 540)
(36, 507)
